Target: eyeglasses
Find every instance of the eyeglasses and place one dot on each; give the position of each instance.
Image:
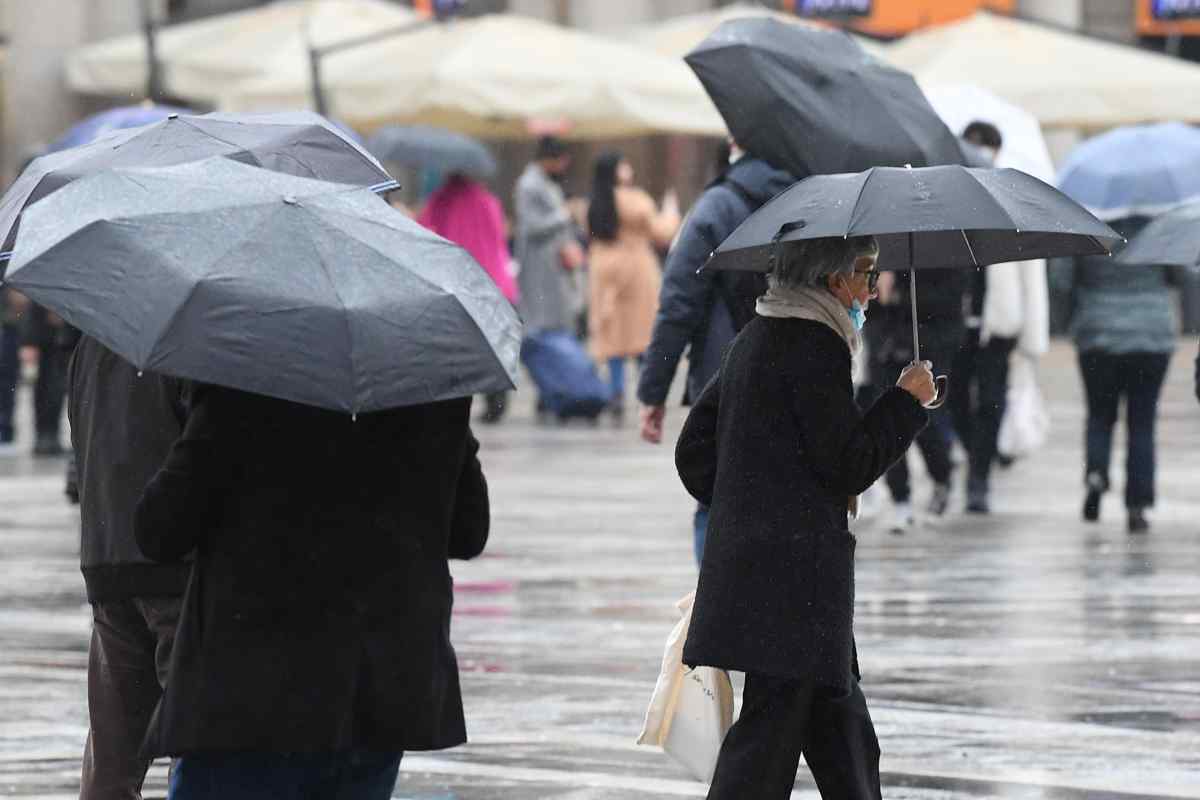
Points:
(872, 277)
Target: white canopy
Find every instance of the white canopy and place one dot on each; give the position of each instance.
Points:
(200, 60)
(1024, 146)
(679, 35)
(1064, 79)
(493, 76)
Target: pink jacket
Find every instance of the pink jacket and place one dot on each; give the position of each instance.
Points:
(466, 213)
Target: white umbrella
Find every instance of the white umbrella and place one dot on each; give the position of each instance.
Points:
(677, 36)
(492, 76)
(1024, 145)
(200, 60)
(1064, 79)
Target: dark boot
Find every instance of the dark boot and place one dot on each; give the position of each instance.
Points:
(1096, 486)
(497, 404)
(1137, 521)
(977, 497)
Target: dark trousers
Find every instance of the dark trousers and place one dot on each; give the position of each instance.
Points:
(50, 391)
(978, 399)
(780, 720)
(127, 668)
(1138, 377)
(10, 373)
(238, 775)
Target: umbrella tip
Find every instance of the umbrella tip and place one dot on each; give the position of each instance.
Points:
(140, 373)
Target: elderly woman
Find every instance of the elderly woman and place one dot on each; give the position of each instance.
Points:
(778, 449)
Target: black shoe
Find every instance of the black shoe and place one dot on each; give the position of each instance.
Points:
(939, 501)
(48, 446)
(977, 498)
(1091, 506)
(1137, 521)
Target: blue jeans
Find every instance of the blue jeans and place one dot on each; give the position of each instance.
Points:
(616, 379)
(699, 531)
(243, 775)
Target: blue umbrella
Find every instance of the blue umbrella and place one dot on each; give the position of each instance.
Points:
(113, 119)
(1135, 170)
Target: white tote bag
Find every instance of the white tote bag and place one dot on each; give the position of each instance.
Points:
(1026, 425)
(691, 710)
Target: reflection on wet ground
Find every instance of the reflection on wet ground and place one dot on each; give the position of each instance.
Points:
(1025, 655)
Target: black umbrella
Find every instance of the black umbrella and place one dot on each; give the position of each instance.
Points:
(1172, 239)
(296, 143)
(810, 100)
(225, 273)
(947, 216)
(425, 147)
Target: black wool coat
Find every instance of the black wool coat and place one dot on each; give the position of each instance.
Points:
(776, 446)
(317, 617)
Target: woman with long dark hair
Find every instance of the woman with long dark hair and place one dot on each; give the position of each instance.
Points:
(625, 226)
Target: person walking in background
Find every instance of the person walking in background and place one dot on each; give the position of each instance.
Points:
(779, 451)
(123, 424)
(545, 245)
(314, 643)
(700, 311)
(1008, 310)
(465, 212)
(890, 350)
(625, 227)
(12, 308)
(52, 340)
(1123, 323)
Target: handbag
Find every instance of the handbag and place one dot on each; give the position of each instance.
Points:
(691, 709)
(1026, 424)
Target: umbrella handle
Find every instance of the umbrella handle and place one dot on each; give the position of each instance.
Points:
(942, 386)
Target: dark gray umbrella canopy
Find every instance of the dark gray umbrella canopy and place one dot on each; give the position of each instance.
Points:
(304, 290)
(947, 216)
(811, 101)
(426, 147)
(296, 143)
(1172, 239)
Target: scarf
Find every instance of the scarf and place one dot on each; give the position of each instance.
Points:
(818, 305)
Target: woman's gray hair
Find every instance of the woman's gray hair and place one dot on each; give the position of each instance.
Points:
(808, 261)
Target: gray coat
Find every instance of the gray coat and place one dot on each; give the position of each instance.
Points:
(548, 299)
(1118, 309)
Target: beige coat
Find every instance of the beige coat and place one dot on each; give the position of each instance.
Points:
(624, 276)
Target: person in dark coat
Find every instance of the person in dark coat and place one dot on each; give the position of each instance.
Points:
(701, 312)
(778, 449)
(890, 349)
(122, 428)
(314, 643)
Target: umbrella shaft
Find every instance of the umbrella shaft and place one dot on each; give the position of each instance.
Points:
(912, 290)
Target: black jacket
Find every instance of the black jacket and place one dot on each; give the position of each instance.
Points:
(704, 311)
(776, 446)
(122, 428)
(317, 617)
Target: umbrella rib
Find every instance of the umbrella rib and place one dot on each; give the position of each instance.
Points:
(970, 249)
(858, 199)
(345, 318)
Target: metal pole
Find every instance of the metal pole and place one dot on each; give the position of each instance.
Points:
(318, 90)
(154, 89)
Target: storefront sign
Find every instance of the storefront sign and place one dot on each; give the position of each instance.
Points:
(833, 8)
(1175, 9)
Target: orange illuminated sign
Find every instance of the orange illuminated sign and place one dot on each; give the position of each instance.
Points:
(1153, 19)
(898, 17)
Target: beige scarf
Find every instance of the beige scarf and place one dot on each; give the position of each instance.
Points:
(818, 305)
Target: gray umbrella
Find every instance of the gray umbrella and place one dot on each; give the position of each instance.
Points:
(1171, 240)
(426, 147)
(309, 291)
(947, 216)
(297, 143)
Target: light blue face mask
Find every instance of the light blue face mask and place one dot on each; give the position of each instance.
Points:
(858, 314)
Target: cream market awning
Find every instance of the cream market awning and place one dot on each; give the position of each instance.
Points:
(1063, 79)
(201, 60)
(676, 36)
(499, 75)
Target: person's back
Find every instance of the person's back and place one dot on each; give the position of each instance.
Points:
(123, 425)
(465, 212)
(318, 617)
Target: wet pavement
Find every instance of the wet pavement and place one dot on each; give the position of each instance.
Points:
(1024, 655)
